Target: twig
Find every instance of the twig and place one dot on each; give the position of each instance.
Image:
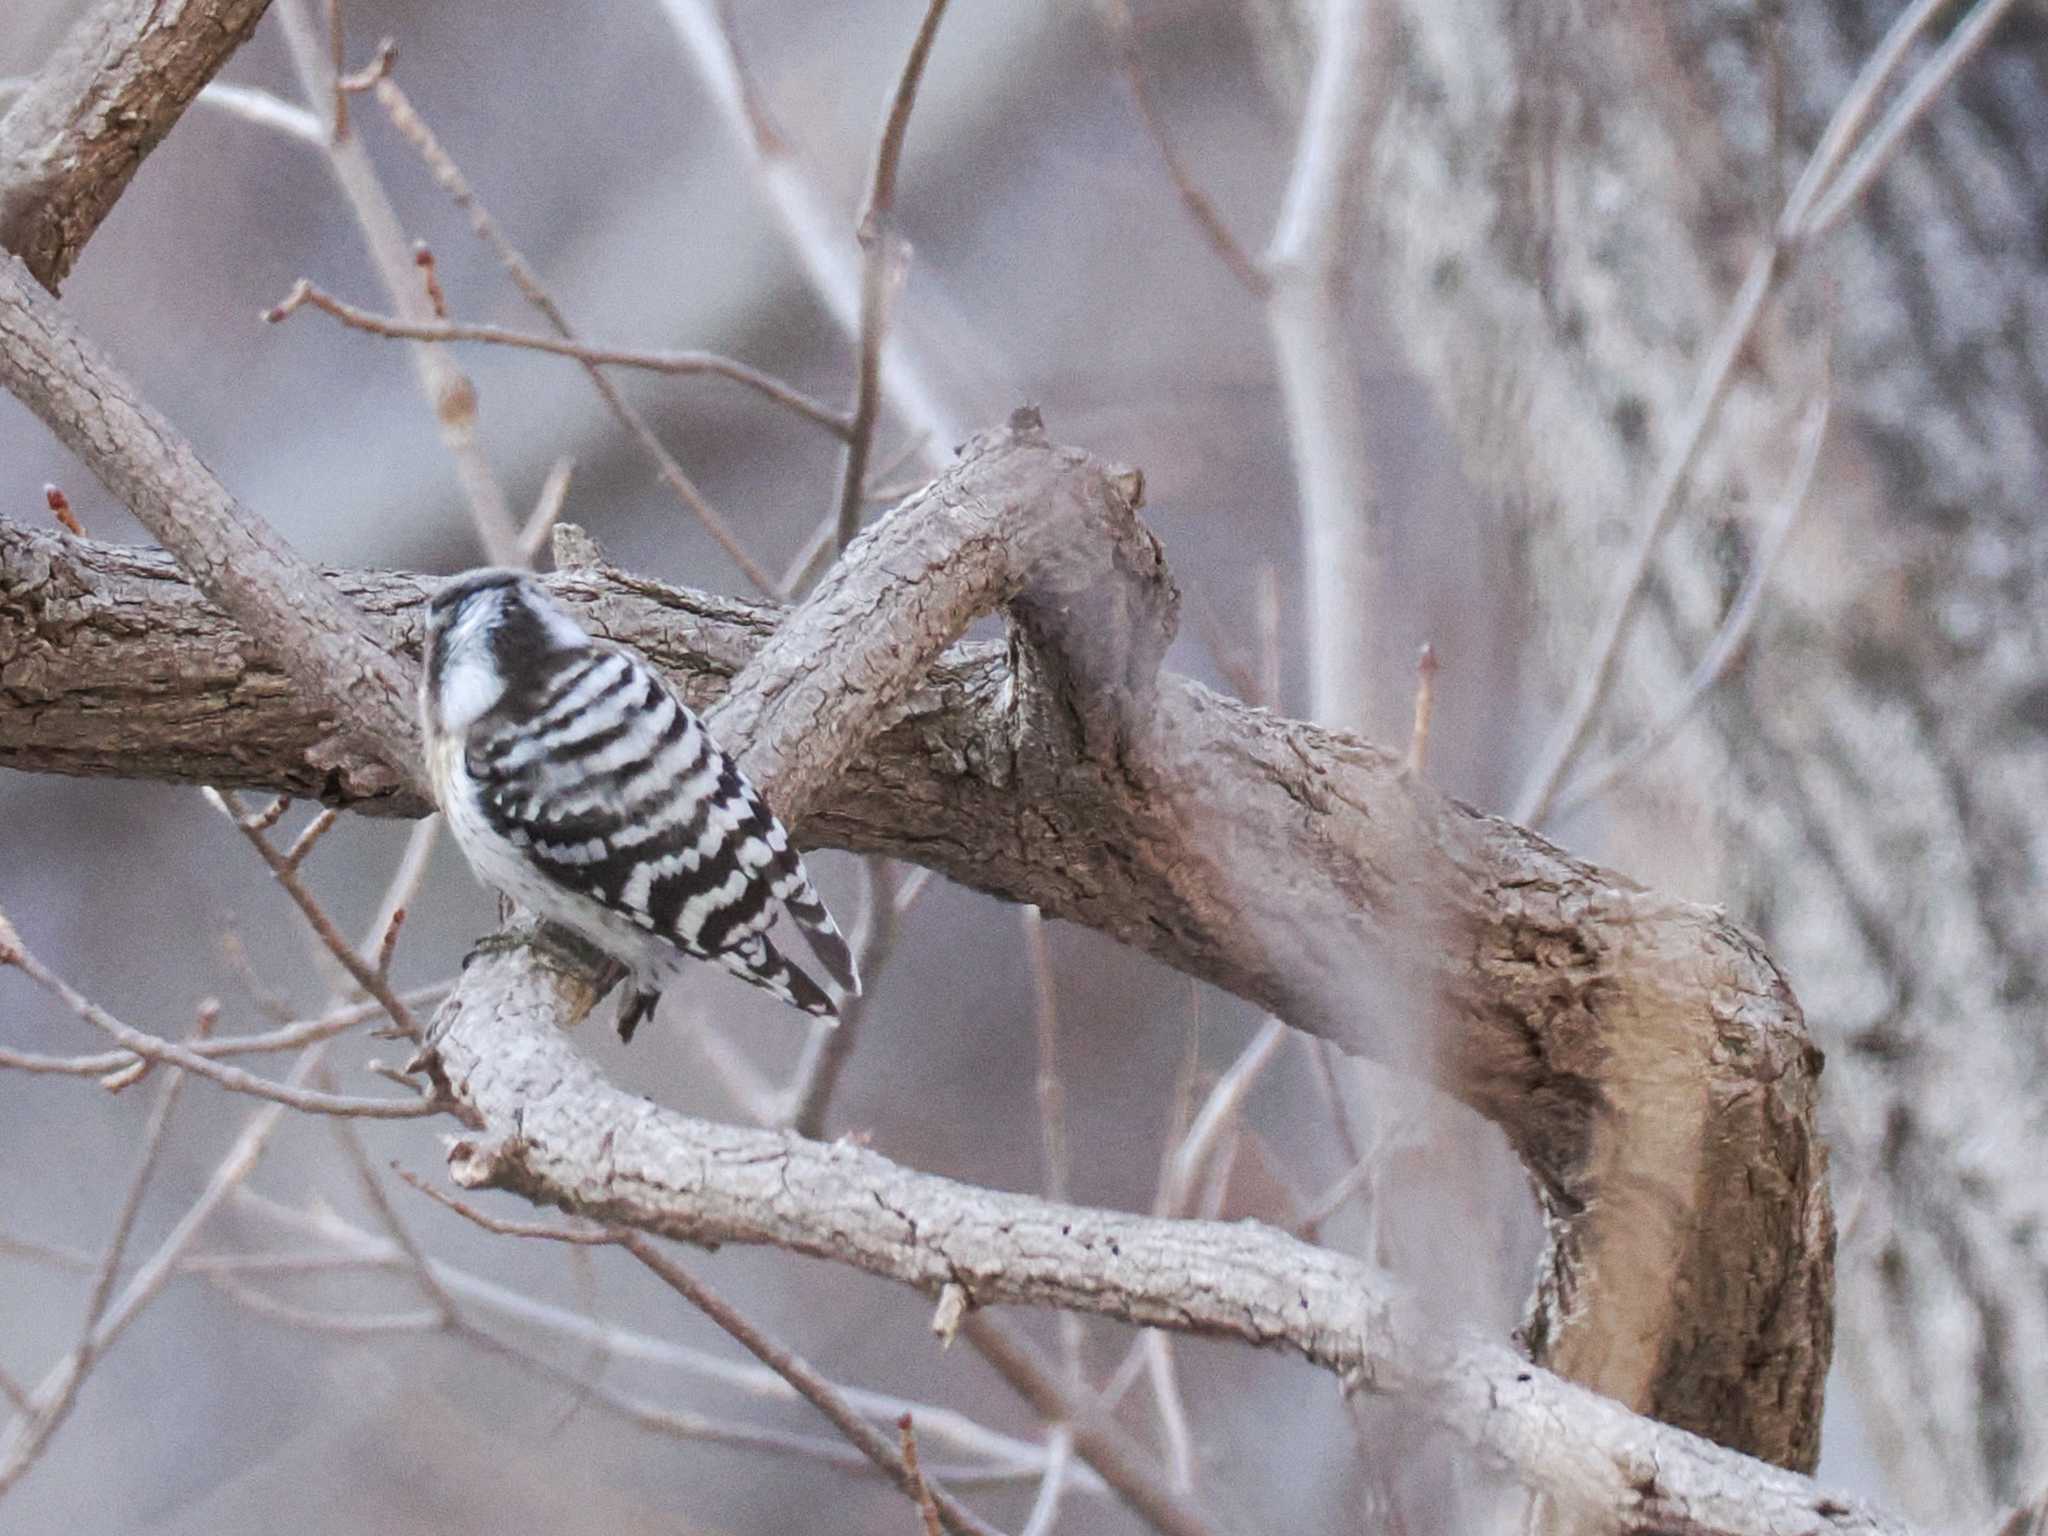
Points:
(288, 1037)
(1124, 1464)
(442, 167)
(156, 1048)
(1876, 152)
(43, 1415)
(24, 1442)
(964, 1434)
(1052, 1487)
(547, 511)
(1729, 638)
(814, 1388)
(816, 233)
(449, 392)
(337, 47)
(1052, 1102)
(437, 1296)
(1123, 31)
(883, 256)
(351, 1324)
(303, 844)
(306, 294)
(829, 1048)
(920, 1491)
(594, 1237)
(1222, 1103)
(363, 972)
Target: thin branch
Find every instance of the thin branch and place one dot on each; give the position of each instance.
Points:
(1729, 639)
(920, 1490)
(42, 1415)
(547, 511)
(442, 167)
(816, 232)
(155, 1048)
(448, 390)
(1876, 152)
(1319, 377)
(883, 257)
(364, 972)
(287, 1037)
(815, 1389)
(1123, 31)
(829, 1048)
(682, 364)
(592, 1237)
(24, 1441)
(1123, 1463)
(1052, 1487)
(964, 1434)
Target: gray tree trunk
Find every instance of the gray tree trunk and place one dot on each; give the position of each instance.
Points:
(1567, 195)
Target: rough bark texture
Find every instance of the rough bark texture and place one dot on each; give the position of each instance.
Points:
(119, 80)
(234, 556)
(1567, 194)
(1644, 1058)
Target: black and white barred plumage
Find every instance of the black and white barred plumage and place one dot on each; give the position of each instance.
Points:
(579, 785)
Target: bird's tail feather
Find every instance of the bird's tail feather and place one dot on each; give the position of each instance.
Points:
(760, 962)
(824, 937)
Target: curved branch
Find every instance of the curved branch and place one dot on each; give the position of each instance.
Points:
(1294, 866)
(77, 135)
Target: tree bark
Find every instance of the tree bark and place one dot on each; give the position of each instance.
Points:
(1567, 197)
(72, 141)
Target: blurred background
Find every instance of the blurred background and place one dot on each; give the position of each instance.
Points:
(1550, 216)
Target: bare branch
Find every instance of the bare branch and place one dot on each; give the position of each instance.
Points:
(1727, 644)
(285, 867)
(70, 144)
(815, 1389)
(286, 1037)
(829, 1046)
(1123, 32)
(831, 259)
(682, 364)
(593, 1237)
(155, 1048)
(1319, 378)
(447, 389)
(883, 255)
(442, 167)
(42, 1415)
(24, 1440)
(1027, 782)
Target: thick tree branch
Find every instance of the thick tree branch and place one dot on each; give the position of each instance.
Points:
(233, 556)
(1645, 1060)
(105, 99)
(588, 1147)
